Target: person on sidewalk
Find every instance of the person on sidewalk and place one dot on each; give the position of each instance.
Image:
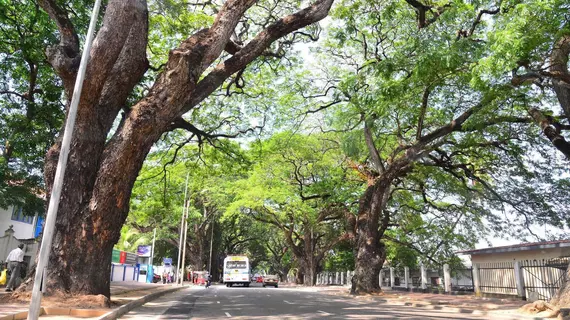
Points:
(15, 260)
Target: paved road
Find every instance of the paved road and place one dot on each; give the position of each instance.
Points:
(219, 302)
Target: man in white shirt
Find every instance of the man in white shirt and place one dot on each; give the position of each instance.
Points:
(15, 259)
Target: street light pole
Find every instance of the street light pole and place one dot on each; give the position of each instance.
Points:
(185, 237)
(40, 278)
(180, 272)
(211, 242)
(152, 251)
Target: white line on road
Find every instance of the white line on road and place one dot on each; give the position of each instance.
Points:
(325, 313)
(268, 295)
(217, 301)
(228, 315)
(288, 302)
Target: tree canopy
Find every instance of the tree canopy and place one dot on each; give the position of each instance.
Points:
(395, 131)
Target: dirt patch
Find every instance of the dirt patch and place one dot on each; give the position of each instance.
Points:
(60, 300)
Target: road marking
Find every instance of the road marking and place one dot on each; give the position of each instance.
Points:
(268, 295)
(325, 313)
(228, 315)
(288, 302)
(217, 301)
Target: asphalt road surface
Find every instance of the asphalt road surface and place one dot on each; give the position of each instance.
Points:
(256, 302)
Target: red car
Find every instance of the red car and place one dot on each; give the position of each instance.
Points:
(259, 279)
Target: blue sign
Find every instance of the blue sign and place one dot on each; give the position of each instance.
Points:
(144, 251)
(167, 261)
(39, 226)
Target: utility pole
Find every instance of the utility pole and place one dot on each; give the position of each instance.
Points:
(211, 243)
(40, 279)
(152, 251)
(180, 271)
(185, 236)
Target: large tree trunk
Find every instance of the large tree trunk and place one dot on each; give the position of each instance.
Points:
(370, 251)
(101, 172)
(310, 271)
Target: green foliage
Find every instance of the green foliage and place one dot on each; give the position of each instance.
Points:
(341, 258)
(31, 110)
(158, 197)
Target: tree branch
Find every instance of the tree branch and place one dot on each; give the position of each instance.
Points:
(550, 132)
(256, 47)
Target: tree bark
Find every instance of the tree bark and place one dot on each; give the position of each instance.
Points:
(559, 70)
(300, 276)
(101, 171)
(370, 251)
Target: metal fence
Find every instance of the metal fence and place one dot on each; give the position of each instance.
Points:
(498, 277)
(543, 278)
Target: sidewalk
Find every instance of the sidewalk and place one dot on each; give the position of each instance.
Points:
(493, 307)
(122, 293)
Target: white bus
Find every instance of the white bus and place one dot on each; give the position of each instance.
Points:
(236, 270)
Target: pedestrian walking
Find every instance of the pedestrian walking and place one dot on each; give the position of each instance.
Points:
(15, 260)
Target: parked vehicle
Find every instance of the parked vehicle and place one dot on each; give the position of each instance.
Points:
(271, 280)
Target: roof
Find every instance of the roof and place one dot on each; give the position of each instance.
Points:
(520, 247)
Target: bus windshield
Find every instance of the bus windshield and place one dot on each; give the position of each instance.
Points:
(236, 265)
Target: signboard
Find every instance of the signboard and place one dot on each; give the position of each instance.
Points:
(116, 257)
(144, 251)
(237, 258)
(122, 257)
(130, 258)
(167, 261)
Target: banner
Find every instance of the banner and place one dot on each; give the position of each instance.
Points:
(116, 257)
(144, 251)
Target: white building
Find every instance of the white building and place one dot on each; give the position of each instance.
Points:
(17, 229)
(25, 227)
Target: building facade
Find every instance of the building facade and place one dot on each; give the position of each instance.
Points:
(25, 227)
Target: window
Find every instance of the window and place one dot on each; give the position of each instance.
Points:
(18, 215)
(236, 265)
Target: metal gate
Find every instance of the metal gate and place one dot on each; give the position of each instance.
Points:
(498, 278)
(543, 278)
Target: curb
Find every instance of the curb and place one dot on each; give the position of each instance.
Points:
(124, 309)
(81, 313)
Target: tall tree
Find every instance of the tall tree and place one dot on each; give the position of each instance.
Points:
(403, 79)
(157, 201)
(104, 161)
(302, 186)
